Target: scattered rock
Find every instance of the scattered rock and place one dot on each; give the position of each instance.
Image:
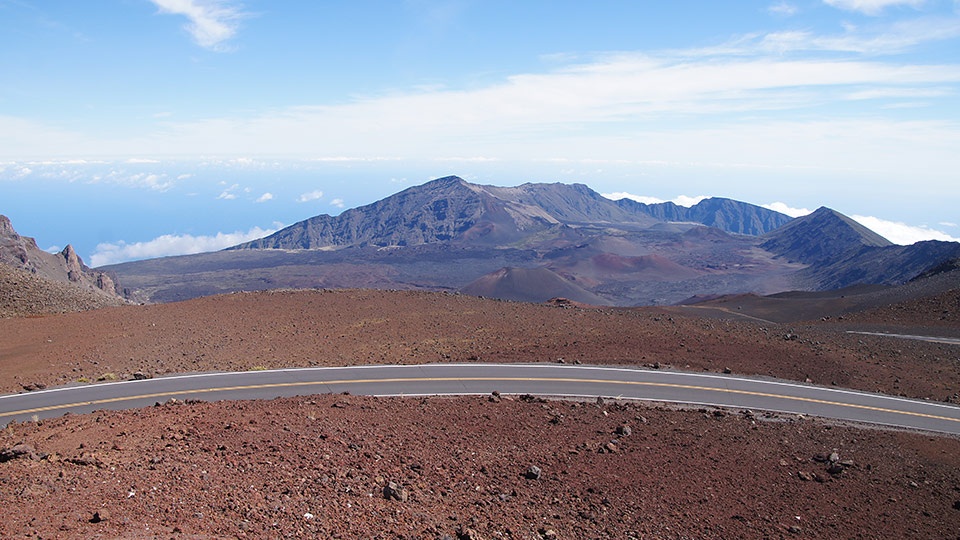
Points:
(19, 451)
(624, 430)
(100, 515)
(610, 448)
(468, 534)
(85, 461)
(835, 468)
(394, 491)
(805, 476)
(140, 376)
(533, 473)
(33, 387)
(494, 397)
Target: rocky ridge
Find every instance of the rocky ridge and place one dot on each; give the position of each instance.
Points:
(34, 281)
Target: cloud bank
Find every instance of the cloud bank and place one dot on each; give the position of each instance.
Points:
(901, 233)
(679, 200)
(172, 244)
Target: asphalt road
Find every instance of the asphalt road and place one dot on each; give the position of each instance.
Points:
(480, 379)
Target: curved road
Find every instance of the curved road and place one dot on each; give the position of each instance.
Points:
(480, 379)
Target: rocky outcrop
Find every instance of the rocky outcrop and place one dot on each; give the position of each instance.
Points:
(34, 281)
(72, 260)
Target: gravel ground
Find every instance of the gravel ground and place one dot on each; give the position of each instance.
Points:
(323, 466)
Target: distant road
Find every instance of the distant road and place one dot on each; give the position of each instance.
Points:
(932, 339)
(480, 379)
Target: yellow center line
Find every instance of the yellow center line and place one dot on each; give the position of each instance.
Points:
(475, 379)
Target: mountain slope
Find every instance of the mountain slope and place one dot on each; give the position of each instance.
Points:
(825, 236)
(839, 252)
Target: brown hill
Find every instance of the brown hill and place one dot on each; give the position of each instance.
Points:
(530, 285)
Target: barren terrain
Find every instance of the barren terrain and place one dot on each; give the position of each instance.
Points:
(322, 466)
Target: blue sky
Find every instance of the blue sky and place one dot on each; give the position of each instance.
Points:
(141, 128)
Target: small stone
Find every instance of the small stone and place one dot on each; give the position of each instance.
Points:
(533, 473)
(100, 515)
(835, 468)
(624, 430)
(805, 476)
(395, 492)
(468, 534)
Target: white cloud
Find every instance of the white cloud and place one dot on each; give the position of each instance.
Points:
(265, 197)
(783, 8)
(210, 22)
(948, 224)
(310, 196)
(337, 202)
(901, 233)
(872, 7)
(679, 200)
(152, 181)
(228, 194)
(172, 244)
(783, 208)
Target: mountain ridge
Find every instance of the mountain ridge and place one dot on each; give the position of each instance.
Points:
(560, 239)
(450, 209)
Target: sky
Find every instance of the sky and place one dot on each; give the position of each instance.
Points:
(144, 128)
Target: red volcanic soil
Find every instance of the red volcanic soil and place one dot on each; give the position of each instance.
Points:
(350, 327)
(322, 466)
